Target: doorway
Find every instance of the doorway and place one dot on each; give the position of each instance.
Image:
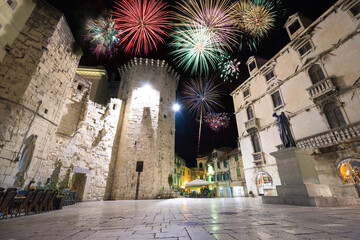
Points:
(263, 181)
(78, 184)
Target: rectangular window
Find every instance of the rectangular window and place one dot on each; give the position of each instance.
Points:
(355, 10)
(236, 157)
(305, 48)
(294, 27)
(174, 170)
(12, 4)
(246, 93)
(225, 176)
(276, 99)
(218, 165)
(238, 172)
(269, 75)
(252, 66)
(225, 164)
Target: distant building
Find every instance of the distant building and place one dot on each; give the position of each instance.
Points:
(179, 172)
(315, 81)
(237, 175)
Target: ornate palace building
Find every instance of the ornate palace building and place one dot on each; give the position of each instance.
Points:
(315, 81)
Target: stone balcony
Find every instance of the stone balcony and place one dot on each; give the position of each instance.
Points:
(331, 137)
(321, 88)
(252, 124)
(258, 157)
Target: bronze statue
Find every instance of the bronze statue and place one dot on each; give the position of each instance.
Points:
(285, 133)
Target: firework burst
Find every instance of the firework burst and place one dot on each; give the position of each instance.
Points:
(217, 121)
(103, 35)
(255, 17)
(201, 96)
(194, 50)
(144, 24)
(213, 15)
(229, 68)
(259, 17)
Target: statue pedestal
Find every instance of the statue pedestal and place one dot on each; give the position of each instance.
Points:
(300, 184)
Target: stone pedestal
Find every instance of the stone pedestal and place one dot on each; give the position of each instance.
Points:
(300, 184)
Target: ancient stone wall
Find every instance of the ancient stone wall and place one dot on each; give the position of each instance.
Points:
(147, 132)
(84, 140)
(35, 79)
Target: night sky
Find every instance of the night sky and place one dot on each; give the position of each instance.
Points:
(78, 12)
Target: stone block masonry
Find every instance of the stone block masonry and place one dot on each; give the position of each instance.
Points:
(35, 80)
(146, 134)
(85, 139)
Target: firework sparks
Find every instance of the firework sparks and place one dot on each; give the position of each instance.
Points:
(255, 17)
(229, 68)
(144, 23)
(217, 121)
(194, 50)
(201, 96)
(259, 17)
(104, 35)
(213, 15)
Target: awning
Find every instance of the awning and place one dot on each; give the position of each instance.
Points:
(236, 184)
(197, 183)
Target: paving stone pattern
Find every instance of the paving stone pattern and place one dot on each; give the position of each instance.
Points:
(233, 218)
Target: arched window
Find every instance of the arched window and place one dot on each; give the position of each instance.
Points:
(250, 113)
(334, 115)
(256, 143)
(264, 181)
(316, 74)
(200, 165)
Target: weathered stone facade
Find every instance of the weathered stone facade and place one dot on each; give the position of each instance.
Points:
(147, 133)
(317, 69)
(98, 146)
(35, 80)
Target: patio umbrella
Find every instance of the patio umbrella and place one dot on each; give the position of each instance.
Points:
(25, 160)
(197, 183)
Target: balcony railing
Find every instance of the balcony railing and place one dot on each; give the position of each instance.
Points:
(321, 88)
(331, 137)
(252, 124)
(258, 157)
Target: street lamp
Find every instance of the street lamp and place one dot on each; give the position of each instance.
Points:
(176, 107)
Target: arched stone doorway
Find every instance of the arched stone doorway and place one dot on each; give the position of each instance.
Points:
(263, 181)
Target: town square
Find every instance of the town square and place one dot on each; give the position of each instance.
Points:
(189, 119)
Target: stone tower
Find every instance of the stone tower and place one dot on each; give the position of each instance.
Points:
(146, 130)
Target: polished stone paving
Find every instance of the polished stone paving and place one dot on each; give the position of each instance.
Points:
(221, 218)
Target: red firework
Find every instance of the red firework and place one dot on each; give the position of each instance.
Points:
(217, 121)
(143, 24)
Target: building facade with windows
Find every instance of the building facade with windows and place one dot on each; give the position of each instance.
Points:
(315, 81)
(237, 175)
(221, 175)
(179, 172)
(13, 16)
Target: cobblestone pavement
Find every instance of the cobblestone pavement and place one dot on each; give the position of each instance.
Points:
(234, 218)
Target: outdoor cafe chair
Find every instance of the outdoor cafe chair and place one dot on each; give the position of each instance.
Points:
(45, 200)
(50, 205)
(35, 201)
(6, 203)
(23, 205)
